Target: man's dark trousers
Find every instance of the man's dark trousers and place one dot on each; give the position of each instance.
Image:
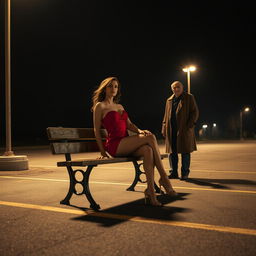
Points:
(173, 158)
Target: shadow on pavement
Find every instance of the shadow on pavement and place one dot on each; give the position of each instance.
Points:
(135, 209)
(206, 182)
(216, 183)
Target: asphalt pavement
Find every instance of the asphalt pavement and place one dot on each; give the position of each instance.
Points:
(214, 213)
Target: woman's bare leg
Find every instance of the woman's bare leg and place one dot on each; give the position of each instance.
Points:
(130, 144)
(164, 180)
(146, 152)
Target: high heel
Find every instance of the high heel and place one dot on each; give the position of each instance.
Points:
(149, 199)
(169, 191)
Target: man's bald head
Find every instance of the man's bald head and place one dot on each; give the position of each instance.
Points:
(177, 88)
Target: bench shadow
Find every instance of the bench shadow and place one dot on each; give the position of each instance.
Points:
(218, 183)
(135, 209)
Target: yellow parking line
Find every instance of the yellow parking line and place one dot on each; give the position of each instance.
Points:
(138, 185)
(131, 168)
(215, 171)
(219, 190)
(28, 178)
(41, 207)
(241, 231)
(234, 172)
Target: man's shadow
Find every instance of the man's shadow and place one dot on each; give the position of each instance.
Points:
(135, 210)
(218, 183)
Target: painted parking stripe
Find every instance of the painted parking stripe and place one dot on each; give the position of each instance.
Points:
(28, 178)
(131, 168)
(219, 190)
(241, 231)
(139, 185)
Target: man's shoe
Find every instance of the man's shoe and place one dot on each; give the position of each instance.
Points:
(173, 175)
(184, 176)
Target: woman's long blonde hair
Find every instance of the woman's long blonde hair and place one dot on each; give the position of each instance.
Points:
(100, 93)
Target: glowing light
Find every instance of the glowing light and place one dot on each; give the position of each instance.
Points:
(205, 126)
(214, 124)
(190, 68)
(247, 109)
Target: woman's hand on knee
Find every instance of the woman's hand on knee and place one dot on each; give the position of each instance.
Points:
(145, 132)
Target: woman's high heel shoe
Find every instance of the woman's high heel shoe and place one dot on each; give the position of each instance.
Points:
(149, 199)
(169, 190)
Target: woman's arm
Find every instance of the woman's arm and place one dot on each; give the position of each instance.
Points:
(132, 127)
(97, 114)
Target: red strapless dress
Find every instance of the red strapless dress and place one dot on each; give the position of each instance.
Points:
(116, 126)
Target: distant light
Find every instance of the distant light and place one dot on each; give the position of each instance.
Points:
(190, 68)
(247, 109)
(214, 124)
(205, 126)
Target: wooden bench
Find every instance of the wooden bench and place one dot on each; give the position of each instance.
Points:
(69, 141)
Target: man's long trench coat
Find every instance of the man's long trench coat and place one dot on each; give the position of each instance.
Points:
(187, 114)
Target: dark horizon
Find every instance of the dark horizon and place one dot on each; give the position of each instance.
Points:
(61, 51)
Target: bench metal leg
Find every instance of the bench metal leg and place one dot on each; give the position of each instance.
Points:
(72, 184)
(86, 191)
(138, 172)
(137, 178)
(85, 184)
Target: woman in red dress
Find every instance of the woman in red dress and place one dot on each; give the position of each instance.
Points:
(107, 112)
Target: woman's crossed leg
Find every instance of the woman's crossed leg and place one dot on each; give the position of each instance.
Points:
(145, 146)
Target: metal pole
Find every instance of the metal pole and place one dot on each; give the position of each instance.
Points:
(8, 151)
(9, 162)
(241, 125)
(188, 76)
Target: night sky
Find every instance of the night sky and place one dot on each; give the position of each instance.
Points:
(62, 50)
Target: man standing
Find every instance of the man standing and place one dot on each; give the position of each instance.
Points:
(181, 114)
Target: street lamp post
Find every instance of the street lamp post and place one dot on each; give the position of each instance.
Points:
(188, 70)
(204, 131)
(214, 130)
(241, 121)
(9, 161)
(8, 151)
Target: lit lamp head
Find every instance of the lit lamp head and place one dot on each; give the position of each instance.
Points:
(214, 124)
(189, 69)
(247, 109)
(205, 126)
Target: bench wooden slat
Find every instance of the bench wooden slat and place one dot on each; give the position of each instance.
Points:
(87, 162)
(74, 147)
(72, 133)
(75, 139)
